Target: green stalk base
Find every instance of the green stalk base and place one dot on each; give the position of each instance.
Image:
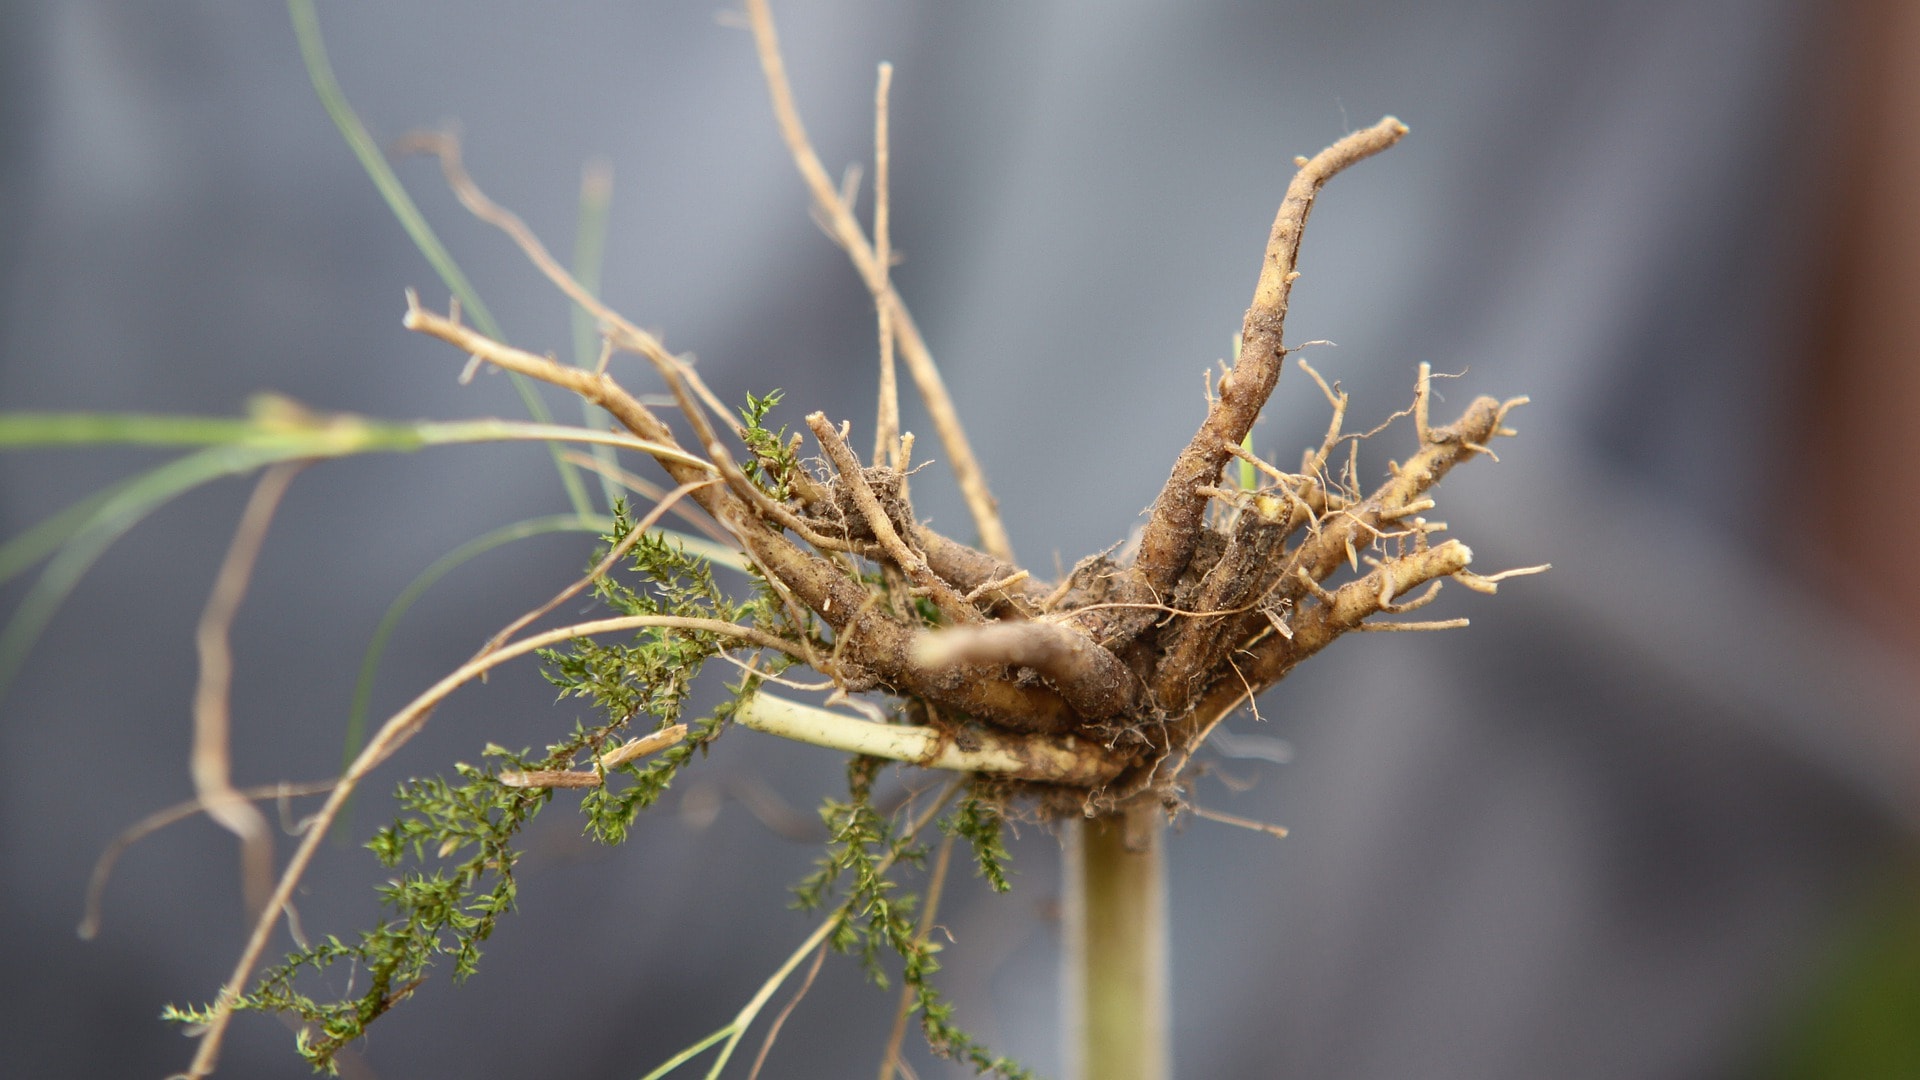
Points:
(1116, 957)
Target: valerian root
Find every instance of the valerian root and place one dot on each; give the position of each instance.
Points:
(1109, 680)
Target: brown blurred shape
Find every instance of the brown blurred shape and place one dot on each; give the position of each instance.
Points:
(1864, 380)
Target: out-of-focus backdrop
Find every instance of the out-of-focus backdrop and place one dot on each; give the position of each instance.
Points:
(1641, 820)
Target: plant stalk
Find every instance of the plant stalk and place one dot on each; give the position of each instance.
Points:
(1116, 956)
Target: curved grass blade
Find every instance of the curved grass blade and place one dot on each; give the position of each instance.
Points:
(121, 510)
(281, 425)
(479, 545)
(377, 647)
(45, 538)
(313, 52)
(278, 430)
(731, 1035)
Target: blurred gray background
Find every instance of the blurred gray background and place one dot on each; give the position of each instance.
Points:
(1610, 831)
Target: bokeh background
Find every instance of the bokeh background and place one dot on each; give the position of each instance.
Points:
(1651, 816)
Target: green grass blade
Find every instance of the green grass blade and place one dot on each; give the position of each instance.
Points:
(479, 545)
(377, 647)
(121, 510)
(27, 430)
(273, 422)
(283, 426)
(313, 51)
(277, 431)
(45, 538)
(689, 1053)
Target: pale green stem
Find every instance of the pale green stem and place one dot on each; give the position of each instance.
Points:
(1116, 962)
(744, 1019)
(753, 1007)
(1062, 759)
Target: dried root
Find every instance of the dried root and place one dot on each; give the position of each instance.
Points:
(1107, 681)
